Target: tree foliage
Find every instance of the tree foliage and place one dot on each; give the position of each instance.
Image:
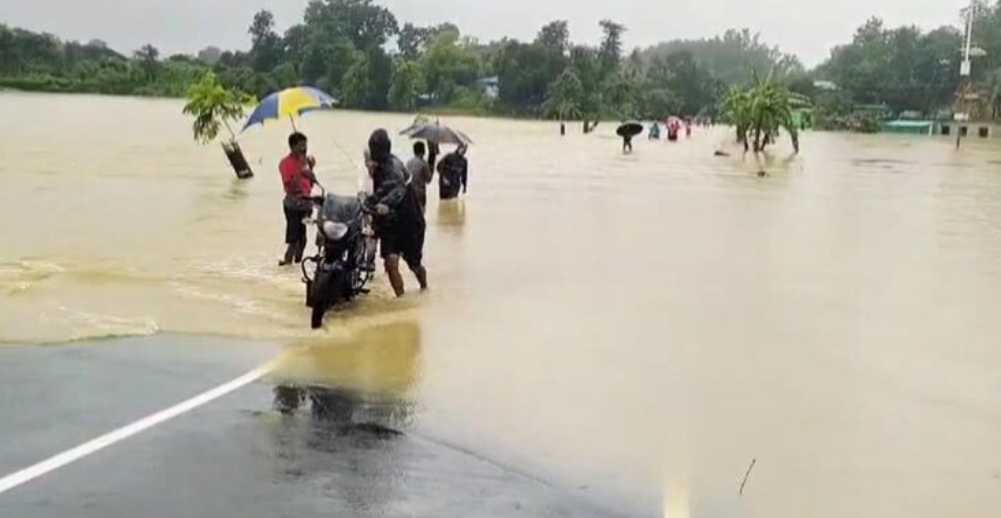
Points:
(213, 107)
(566, 97)
(904, 68)
(759, 110)
(344, 47)
(731, 57)
(406, 88)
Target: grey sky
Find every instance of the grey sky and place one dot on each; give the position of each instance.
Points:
(808, 28)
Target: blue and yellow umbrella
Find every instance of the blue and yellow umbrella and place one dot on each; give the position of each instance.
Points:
(290, 103)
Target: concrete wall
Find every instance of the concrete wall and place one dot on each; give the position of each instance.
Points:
(973, 129)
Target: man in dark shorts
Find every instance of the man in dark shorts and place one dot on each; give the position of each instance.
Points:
(298, 179)
(399, 220)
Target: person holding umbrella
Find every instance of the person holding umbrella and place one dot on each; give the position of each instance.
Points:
(433, 152)
(453, 170)
(627, 131)
(297, 168)
(298, 180)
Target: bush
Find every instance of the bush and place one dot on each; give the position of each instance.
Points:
(466, 101)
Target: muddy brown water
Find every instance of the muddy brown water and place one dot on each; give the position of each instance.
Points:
(642, 326)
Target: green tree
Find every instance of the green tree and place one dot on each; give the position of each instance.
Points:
(412, 41)
(213, 107)
(693, 86)
(523, 75)
(367, 25)
(611, 46)
(266, 46)
(586, 65)
(406, 87)
(148, 58)
(621, 96)
(284, 76)
(357, 83)
(732, 56)
(738, 106)
(339, 56)
(659, 103)
(555, 36)
(380, 78)
(447, 65)
(760, 110)
(566, 97)
(262, 26)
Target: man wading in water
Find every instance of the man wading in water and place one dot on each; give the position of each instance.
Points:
(453, 174)
(399, 220)
(298, 180)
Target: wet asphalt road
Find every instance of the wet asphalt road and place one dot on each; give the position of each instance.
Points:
(338, 454)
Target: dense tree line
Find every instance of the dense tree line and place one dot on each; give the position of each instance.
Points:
(910, 70)
(360, 52)
(903, 68)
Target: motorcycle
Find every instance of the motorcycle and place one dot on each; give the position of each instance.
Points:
(343, 266)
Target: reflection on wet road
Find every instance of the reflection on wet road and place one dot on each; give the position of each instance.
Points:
(326, 449)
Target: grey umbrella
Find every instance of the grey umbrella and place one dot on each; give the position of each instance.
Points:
(437, 134)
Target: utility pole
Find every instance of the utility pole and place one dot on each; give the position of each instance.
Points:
(965, 95)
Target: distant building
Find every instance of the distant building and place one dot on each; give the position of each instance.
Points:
(97, 44)
(489, 87)
(825, 85)
(979, 129)
(210, 55)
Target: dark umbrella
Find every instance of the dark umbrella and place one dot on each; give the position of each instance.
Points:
(437, 134)
(629, 129)
(419, 121)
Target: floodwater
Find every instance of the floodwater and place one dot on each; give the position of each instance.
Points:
(637, 329)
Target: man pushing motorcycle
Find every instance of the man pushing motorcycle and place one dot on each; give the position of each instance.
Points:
(399, 219)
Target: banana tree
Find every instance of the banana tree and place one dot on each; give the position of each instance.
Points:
(215, 107)
(761, 110)
(738, 107)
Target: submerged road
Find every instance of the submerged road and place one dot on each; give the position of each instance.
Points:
(233, 454)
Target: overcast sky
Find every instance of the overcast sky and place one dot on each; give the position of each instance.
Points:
(808, 28)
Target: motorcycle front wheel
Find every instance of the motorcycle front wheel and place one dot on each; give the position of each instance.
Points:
(328, 289)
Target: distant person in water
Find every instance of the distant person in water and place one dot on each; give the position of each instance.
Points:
(420, 174)
(298, 180)
(627, 143)
(453, 174)
(433, 152)
(672, 131)
(399, 217)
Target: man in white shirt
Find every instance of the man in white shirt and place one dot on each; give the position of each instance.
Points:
(420, 173)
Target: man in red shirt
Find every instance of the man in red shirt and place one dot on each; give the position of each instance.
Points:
(298, 180)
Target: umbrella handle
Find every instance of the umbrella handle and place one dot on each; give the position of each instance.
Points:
(292, 120)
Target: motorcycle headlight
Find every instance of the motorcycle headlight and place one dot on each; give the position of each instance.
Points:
(334, 231)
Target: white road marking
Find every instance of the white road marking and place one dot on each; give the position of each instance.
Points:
(72, 455)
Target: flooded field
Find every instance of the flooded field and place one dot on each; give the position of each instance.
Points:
(638, 327)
